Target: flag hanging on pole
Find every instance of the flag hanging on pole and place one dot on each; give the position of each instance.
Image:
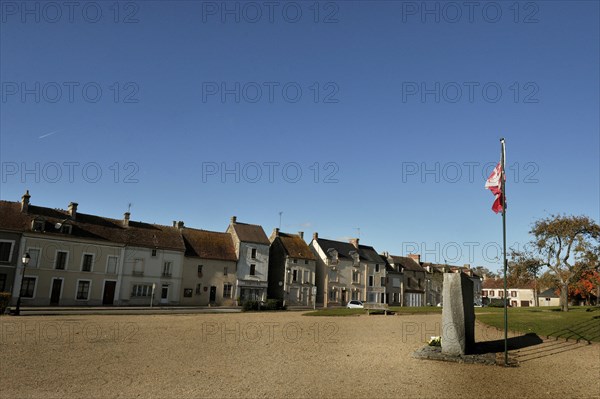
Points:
(494, 184)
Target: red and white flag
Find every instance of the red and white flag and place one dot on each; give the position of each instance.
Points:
(494, 184)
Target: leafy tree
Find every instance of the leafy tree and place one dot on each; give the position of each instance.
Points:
(563, 243)
(523, 269)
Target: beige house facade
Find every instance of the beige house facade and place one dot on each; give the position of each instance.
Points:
(209, 269)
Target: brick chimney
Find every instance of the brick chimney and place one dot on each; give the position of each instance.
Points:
(73, 210)
(354, 241)
(301, 234)
(180, 224)
(276, 232)
(315, 236)
(25, 202)
(415, 257)
(126, 216)
(233, 219)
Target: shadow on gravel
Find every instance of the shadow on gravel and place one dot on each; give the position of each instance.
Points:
(514, 343)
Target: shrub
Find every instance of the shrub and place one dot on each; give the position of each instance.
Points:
(4, 301)
(496, 303)
(274, 304)
(250, 305)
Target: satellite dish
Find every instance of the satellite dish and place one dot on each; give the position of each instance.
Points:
(57, 226)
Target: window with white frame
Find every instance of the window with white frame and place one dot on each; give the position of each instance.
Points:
(294, 275)
(6, 250)
(86, 262)
(141, 290)
(227, 290)
(28, 287)
(34, 255)
(167, 269)
(333, 294)
(83, 290)
(383, 281)
(355, 296)
(376, 267)
(111, 264)
(60, 262)
(306, 276)
(355, 276)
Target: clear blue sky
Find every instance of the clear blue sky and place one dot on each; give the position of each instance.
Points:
(373, 114)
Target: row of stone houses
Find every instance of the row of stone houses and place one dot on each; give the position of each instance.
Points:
(81, 259)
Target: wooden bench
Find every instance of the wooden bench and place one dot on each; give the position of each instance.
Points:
(376, 306)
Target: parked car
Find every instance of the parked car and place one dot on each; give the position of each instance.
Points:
(355, 305)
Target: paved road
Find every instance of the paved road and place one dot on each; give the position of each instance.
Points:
(49, 311)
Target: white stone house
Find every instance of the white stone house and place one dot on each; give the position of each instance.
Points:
(252, 251)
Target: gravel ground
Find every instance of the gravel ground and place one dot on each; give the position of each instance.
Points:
(272, 355)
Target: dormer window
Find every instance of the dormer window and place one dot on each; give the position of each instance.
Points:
(66, 229)
(355, 258)
(333, 256)
(38, 225)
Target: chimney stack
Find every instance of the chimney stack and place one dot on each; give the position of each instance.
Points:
(73, 210)
(301, 234)
(233, 220)
(315, 236)
(276, 231)
(25, 202)
(354, 241)
(174, 223)
(415, 257)
(126, 219)
(180, 224)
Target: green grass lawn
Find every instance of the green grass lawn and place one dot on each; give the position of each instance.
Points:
(580, 322)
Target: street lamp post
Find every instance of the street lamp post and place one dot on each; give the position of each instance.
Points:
(25, 260)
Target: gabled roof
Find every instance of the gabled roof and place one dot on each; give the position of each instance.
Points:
(252, 233)
(90, 227)
(295, 246)
(365, 252)
(407, 263)
(549, 293)
(208, 244)
(499, 283)
(368, 253)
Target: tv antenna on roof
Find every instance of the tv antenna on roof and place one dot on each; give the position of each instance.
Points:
(280, 213)
(129, 207)
(358, 231)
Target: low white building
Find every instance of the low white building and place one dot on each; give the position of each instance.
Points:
(518, 297)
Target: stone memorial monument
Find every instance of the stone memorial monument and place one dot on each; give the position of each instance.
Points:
(458, 314)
